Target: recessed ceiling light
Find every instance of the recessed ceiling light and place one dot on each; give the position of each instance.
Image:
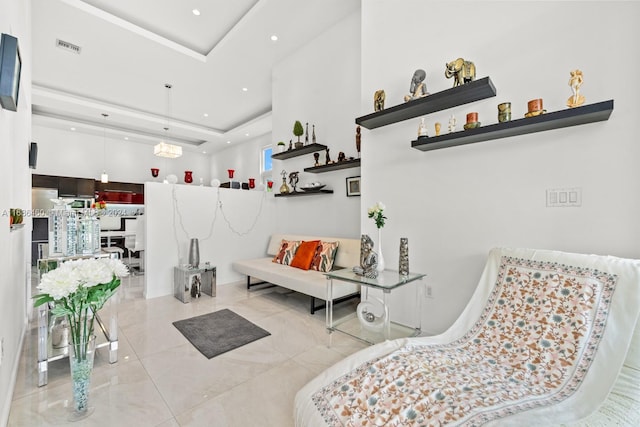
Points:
(204, 152)
(274, 38)
(244, 89)
(126, 138)
(228, 142)
(246, 134)
(206, 115)
(73, 128)
(196, 12)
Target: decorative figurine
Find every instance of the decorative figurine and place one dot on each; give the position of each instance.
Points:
(378, 100)
(417, 88)
(327, 159)
(358, 139)
(462, 71)
(316, 156)
(368, 259)
(284, 188)
(438, 127)
(293, 180)
(313, 135)
(575, 82)
(422, 129)
(452, 123)
(306, 134)
(341, 157)
(298, 131)
(290, 144)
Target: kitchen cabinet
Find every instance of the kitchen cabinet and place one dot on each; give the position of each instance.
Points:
(76, 187)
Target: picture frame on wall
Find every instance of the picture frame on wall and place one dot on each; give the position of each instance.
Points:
(10, 68)
(353, 186)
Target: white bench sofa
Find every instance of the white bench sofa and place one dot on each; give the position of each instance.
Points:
(308, 282)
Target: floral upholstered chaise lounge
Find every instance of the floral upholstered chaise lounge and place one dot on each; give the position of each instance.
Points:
(547, 339)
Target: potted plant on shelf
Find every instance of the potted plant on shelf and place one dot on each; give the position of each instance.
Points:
(281, 146)
(298, 131)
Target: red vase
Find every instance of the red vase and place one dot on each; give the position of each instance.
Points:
(188, 177)
(252, 183)
(269, 185)
(230, 171)
(154, 172)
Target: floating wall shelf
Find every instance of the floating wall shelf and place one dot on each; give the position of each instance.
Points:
(303, 193)
(306, 149)
(345, 164)
(555, 120)
(470, 92)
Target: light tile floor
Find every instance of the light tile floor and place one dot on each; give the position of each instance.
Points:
(160, 379)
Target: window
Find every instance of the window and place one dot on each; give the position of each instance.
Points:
(266, 164)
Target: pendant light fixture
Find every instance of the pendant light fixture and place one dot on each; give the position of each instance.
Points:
(164, 149)
(104, 178)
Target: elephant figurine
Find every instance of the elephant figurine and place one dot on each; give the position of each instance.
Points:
(462, 71)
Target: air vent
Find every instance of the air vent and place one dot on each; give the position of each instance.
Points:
(68, 46)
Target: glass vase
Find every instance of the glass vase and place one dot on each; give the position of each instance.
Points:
(380, 266)
(81, 355)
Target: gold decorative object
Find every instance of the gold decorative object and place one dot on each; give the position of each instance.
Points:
(438, 126)
(378, 100)
(284, 188)
(575, 82)
(462, 71)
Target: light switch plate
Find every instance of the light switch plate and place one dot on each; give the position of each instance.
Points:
(564, 197)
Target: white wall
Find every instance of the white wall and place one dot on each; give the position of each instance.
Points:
(455, 204)
(319, 84)
(67, 153)
(15, 136)
(175, 214)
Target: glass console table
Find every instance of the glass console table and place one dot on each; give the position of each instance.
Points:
(48, 350)
(371, 322)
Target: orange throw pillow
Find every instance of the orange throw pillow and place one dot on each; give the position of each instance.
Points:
(304, 254)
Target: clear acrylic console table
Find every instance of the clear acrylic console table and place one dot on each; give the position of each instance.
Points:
(380, 327)
(106, 320)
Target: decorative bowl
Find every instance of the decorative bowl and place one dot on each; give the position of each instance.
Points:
(310, 188)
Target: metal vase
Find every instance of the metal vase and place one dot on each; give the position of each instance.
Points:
(194, 253)
(403, 267)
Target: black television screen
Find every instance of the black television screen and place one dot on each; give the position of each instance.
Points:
(10, 66)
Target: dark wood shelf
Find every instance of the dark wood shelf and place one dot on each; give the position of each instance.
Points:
(311, 148)
(555, 120)
(470, 92)
(304, 193)
(345, 164)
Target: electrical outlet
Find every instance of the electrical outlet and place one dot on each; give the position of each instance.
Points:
(428, 291)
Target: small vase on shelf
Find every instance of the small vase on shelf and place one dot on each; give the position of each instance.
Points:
(380, 266)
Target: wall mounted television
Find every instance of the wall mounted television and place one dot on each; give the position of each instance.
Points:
(10, 66)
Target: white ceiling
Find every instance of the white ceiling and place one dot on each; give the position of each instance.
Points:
(129, 50)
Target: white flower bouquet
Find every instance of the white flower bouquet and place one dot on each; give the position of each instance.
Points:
(78, 290)
(376, 212)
